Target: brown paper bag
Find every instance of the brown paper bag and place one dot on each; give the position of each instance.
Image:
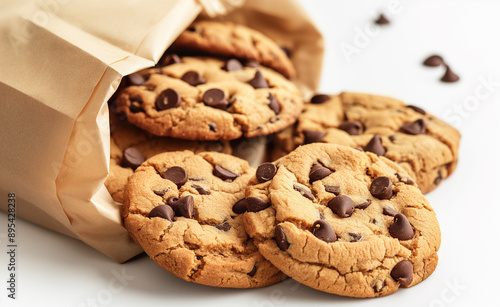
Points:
(62, 60)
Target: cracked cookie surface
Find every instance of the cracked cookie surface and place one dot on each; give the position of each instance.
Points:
(183, 209)
(426, 147)
(342, 221)
(198, 98)
(226, 39)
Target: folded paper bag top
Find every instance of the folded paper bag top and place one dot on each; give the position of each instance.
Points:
(61, 64)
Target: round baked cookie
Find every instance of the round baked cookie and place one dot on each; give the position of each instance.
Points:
(184, 209)
(198, 98)
(426, 147)
(342, 221)
(226, 39)
(130, 146)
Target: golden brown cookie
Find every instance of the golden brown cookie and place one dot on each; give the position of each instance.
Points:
(184, 209)
(342, 221)
(198, 98)
(426, 147)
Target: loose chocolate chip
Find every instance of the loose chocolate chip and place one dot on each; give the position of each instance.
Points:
(375, 146)
(403, 273)
(389, 211)
(212, 127)
(433, 61)
(323, 231)
(405, 179)
(303, 192)
(414, 128)
(252, 63)
(280, 237)
(258, 81)
(417, 109)
(332, 189)
(342, 205)
(364, 205)
(136, 105)
(176, 174)
(401, 228)
(273, 104)
(215, 98)
(381, 188)
(438, 178)
(318, 172)
(200, 189)
(182, 207)
(161, 192)
(255, 204)
(266, 172)
(135, 79)
(379, 284)
(224, 174)
(311, 136)
(355, 237)
(224, 226)
(319, 98)
(240, 206)
(171, 59)
(193, 78)
(163, 211)
(132, 158)
(253, 271)
(352, 127)
(167, 99)
(449, 75)
(382, 20)
(233, 65)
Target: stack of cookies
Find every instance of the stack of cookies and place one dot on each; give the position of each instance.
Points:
(340, 207)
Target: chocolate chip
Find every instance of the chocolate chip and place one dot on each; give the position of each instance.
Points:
(132, 158)
(417, 109)
(414, 128)
(212, 127)
(405, 179)
(382, 20)
(224, 174)
(233, 65)
(381, 188)
(342, 205)
(167, 99)
(224, 226)
(136, 105)
(240, 206)
(176, 174)
(401, 228)
(280, 237)
(200, 189)
(161, 192)
(252, 63)
(135, 79)
(389, 211)
(352, 127)
(258, 81)
(266, 172)
(449, 75)
(379, 284)
(193, 78)
(323, 231)
(303, 192)
(433, 61)
(253, 271)
(438, 178)
(215, 98)
(311, 136)
(375, 146)
(255, 204)
(332, 189)
(403, 273)
(273, 104)
(355, 237)
(171, 59)
(319, 98)
(163, 211)
(318, 172)
(364, 205)
(182, 207)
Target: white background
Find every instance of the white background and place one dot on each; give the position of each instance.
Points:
(55, 270)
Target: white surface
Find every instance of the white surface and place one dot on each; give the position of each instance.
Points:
(55, 270)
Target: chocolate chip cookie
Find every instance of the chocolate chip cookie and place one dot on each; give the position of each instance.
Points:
(199, 98)
(130, 146)
(226, 39)
(342, 221)
(426, 147)
(185, 209)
